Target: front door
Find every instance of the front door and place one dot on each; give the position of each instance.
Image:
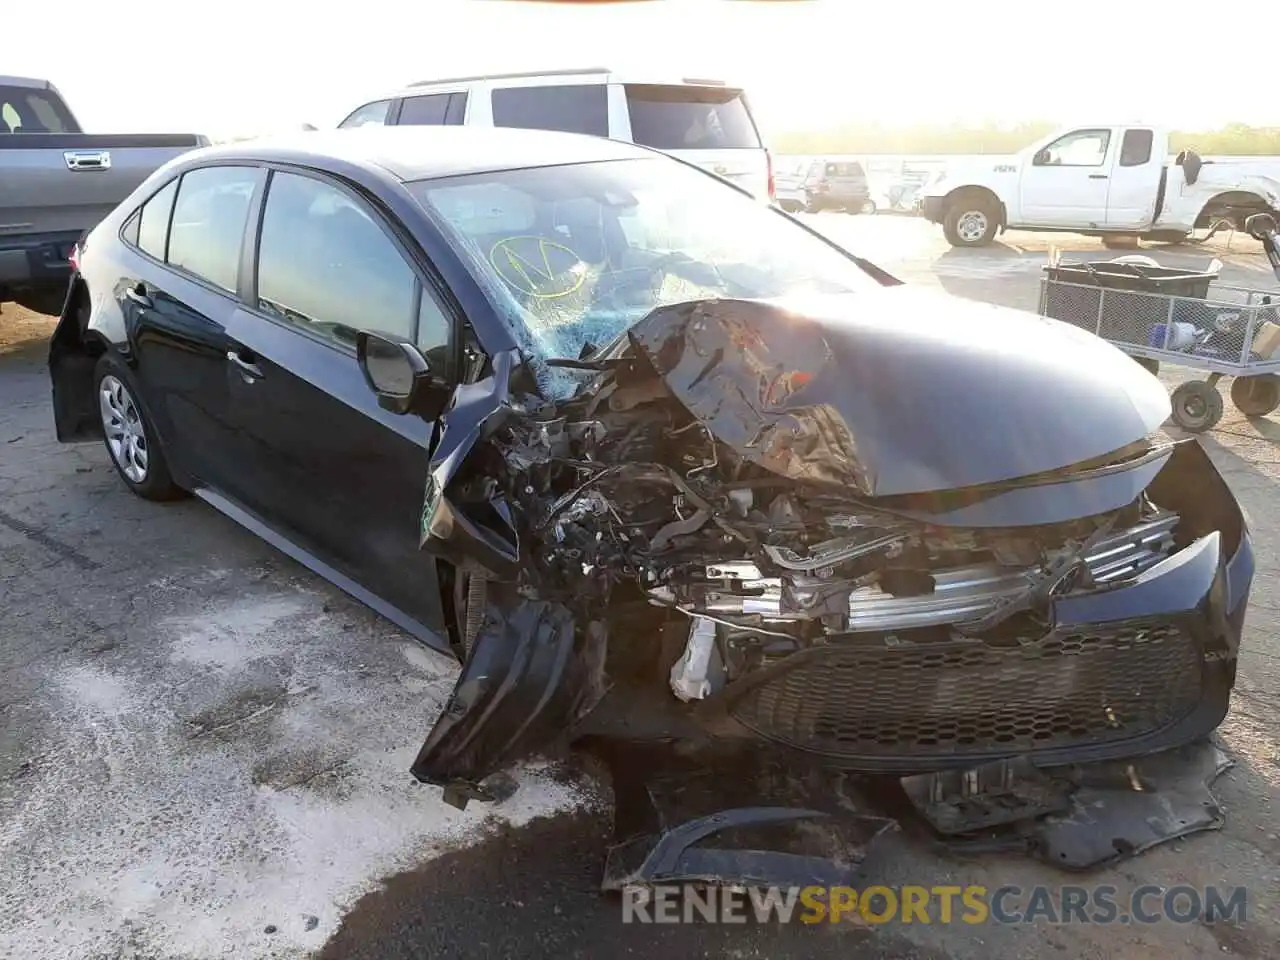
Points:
(1065, 184)
(339, 476)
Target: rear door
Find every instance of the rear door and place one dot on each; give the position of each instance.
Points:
(178, 294)
(708, 125)
(332, 471)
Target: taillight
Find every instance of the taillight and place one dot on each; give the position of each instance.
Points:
(768, 159)
(74, 257)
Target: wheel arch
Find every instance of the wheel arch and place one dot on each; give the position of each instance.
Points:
(973, 190)
(74, 350)
(1233, 204)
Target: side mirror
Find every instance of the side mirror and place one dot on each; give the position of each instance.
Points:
(398, 373)
(1040, 159)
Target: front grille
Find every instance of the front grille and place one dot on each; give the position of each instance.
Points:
(958, 697)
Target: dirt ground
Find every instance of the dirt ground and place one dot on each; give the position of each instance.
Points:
(203, 748)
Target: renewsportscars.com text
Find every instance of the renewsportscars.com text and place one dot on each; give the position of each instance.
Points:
(973, 905)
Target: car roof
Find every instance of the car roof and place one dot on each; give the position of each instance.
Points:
(33, 83)
(595, 74)
(427, 152)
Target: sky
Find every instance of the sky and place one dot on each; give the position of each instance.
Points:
(242, 67)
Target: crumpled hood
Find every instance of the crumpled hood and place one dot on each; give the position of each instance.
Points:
(899, 390)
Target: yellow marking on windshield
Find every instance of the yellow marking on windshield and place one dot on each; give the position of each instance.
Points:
(530, 272)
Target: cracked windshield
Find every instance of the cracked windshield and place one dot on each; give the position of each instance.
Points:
(577, 254)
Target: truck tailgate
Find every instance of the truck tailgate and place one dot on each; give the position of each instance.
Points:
(56, 182)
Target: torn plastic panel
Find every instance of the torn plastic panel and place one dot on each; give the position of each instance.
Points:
(735, 819)
(531, 673)
(1075, 818)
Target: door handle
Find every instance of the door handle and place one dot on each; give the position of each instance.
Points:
(1097, 176)
(248, 369)
(138, 294)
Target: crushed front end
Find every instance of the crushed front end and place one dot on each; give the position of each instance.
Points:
(782, 583)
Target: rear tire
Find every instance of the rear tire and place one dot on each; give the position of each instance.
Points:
(971, 221)
(1256, 396)
(1197, 407)
(128, 434)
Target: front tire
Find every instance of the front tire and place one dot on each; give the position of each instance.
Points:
(971, 221)
(129, 436)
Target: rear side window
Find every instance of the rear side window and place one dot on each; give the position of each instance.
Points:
(209, 217)
(433, 109)
(572, 108)
(1135, 149)
(674, 117)
(30, 110)
(370, 115)
(153, 224)
(423, 111)
(325, 264)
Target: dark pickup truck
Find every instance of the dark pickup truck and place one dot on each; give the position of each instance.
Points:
(57, 182)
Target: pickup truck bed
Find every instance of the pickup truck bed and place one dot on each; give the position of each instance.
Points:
(55, 186)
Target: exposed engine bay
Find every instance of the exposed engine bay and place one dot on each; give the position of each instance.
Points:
(625, 494)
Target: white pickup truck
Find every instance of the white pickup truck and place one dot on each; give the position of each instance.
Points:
(1099, 181)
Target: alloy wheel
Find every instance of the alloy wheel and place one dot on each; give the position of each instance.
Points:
(122, 424)
(972, 226)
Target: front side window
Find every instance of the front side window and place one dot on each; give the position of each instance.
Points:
(574, 255)
(572, 108)
(1080, 148)
(325, 264)
(370, 115)
(681, 117)
(209, 217)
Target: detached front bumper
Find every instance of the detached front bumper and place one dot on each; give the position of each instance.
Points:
(1125, 670)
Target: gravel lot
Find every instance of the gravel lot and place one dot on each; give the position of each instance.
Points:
(204, 748)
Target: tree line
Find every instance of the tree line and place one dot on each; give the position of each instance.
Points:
(1234, 139)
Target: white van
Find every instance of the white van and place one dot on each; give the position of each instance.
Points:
(706, 122)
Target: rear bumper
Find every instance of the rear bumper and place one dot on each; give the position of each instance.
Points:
(931, 209)
(38, 261)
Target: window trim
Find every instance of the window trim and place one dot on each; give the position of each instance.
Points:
(444, 115)
(1106, 149)
(393, 104)
(424, 275)
(497, 89)
(1151, 147)
(255, 200)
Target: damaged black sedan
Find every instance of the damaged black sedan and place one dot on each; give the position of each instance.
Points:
(691, 471)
